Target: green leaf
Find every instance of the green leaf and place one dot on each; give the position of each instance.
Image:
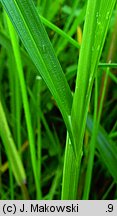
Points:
(25, 19)
(95, 29)
(60, 32)
(11, 150)
(6, 43)
(19, 71)
(106, 147)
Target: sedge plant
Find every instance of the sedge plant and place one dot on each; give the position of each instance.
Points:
(34, 56)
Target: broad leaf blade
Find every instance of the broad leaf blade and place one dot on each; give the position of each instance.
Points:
(25, 18)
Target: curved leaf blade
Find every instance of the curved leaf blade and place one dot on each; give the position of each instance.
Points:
(34, 37)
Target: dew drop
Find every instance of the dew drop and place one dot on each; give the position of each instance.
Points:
(99, 23)
(38, 78)
(107, 15)
(69, 117)
(44, 49)
(97, 15)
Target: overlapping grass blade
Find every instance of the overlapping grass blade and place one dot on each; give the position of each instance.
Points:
(36, 41)
(19, 70)
(97, 117)
(6, 43)
(11, 150)
(106, 147)
(94, 34)
(96, 24)
(61, 43)
(60, 32)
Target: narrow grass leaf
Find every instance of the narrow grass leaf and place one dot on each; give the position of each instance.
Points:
(95, 30)
(106, 147)
(12, 153)
(60, 32)
(19, 70)
(6, 43)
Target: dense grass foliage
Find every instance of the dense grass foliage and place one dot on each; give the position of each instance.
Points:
(58, 94)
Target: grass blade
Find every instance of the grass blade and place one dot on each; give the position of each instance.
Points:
(106, 147)
(10, 147)
(60, 32)
(36, 41)
(97, 117)
(94, 34)
(19, 68)
(6, 43)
